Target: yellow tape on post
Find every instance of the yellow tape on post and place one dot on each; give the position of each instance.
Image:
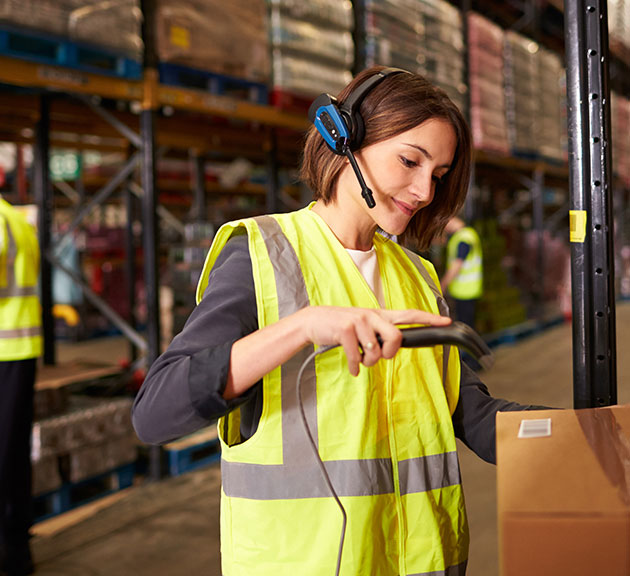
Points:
(577, 225)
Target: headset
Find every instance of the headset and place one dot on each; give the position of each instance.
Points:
(342, 127)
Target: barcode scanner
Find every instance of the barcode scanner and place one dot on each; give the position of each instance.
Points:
(342, 126)
(457, 334)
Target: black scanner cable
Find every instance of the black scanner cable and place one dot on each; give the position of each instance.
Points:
(457, 334)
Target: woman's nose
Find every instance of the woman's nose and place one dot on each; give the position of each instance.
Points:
(423, 189)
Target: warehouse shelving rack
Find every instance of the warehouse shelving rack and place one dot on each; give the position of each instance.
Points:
(42, 104)
(579, 29)
(147, 135)
(51, 112)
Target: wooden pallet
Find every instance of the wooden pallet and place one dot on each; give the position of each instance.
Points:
(217, 84)
(72, 495)
(192, 452)
(56, 51)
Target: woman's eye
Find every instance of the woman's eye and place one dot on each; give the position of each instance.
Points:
(437, 180)
(408, 163)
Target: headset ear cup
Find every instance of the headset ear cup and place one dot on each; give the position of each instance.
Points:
(358, 131)
(347, 119)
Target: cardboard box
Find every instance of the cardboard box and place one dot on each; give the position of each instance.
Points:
(564, 492)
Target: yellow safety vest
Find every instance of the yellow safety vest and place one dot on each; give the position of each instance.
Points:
(20, 312)
(468, 284)
(386, 436)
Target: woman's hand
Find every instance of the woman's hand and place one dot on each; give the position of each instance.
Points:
(356, 330)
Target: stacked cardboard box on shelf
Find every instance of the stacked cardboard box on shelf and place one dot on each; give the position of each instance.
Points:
(91, 437)
(422, 36)
(222, 37)
(114, 25)
(522, 87)
(487, 96)
(311, 45)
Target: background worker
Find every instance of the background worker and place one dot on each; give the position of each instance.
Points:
(20, 346)
(277, 287)
(463, 280)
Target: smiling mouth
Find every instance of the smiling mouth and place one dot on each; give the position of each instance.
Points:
(404, 208)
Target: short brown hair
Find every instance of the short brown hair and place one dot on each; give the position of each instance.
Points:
(399, 103)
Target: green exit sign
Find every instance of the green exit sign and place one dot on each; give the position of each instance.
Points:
(65, 165)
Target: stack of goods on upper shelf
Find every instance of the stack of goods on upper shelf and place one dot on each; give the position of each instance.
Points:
(312, 49)
(211, 44)
(114, 25)
(522, 85)
(551, 127)
(422, 36)
(85, 438)
(487, 96)
(620, 125)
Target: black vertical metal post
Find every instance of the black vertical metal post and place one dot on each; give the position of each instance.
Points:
(130, 266)
(591, 230)
(198, 212)
(538, 221)
(44, 199)
(272, 173)
(149, 203)
(150, 233)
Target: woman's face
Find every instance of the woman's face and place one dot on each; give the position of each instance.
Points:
(403, 172)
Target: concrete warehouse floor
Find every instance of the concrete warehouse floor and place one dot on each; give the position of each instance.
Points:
(171, 527)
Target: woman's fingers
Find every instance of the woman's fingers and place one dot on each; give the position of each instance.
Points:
(416, 317)
(350, 343)
(367, 331)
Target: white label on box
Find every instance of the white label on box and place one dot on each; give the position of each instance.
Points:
(535, 428)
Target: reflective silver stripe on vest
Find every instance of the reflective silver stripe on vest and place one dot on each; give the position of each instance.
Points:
(20, 332)
(350, 477)
(279, 482)
(13, 291)
(428, 473)
(292, 296)
(458, 570)
(441, 302)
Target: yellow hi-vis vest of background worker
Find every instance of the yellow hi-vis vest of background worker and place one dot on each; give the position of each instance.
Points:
(385, 436)
(20, 312)
(468, 284)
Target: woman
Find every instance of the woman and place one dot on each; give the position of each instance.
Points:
(384, 419)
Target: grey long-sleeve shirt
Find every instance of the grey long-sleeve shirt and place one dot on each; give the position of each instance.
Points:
(183, 389)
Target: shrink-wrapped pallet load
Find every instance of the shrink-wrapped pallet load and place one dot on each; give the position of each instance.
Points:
(522, 87)
(111, 24)
(224, 37)
(551, 125)
(311, 45)
(487, 94)
(422, 36)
